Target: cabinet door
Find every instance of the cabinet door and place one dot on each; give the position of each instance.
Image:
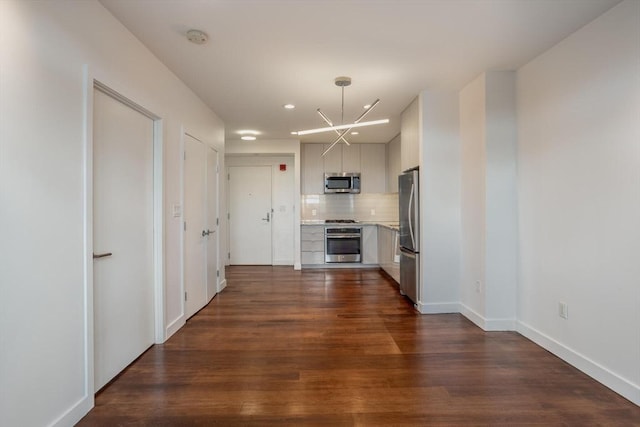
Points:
(386, 252)
(410, 136)
(333, 159)
(373, 163)
(312, 244)
(370, 244)
(351, 158)
(312, 171)
(393, 164)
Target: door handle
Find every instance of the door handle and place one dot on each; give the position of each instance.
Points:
(206, 232)
(268, 218)
(104, 255)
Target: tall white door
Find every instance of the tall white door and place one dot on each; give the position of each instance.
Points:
(122, 236)
(195, 242)
(250, 215)
(212, 223)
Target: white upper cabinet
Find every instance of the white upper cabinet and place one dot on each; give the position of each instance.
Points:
(312, 169)
(410, 136)
(333, 159)
(393, 164)
(351, 158)
(373, 168)
(368, 159)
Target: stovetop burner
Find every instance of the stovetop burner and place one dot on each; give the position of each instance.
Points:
(340, 221)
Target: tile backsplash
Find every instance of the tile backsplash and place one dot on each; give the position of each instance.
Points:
(361, 207)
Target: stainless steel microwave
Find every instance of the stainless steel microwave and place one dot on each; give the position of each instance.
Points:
(343, 182)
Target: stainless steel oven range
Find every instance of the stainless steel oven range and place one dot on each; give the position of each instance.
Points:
(342, 244)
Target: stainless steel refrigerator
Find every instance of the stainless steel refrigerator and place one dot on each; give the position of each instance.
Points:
(409, 198)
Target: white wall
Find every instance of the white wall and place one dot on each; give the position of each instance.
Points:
(44, 45)
(276, 147)
(579, 198)
(488, 201)
(501, 278)
(439, 154)
(473, 200)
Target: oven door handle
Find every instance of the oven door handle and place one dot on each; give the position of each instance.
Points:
(342, 236)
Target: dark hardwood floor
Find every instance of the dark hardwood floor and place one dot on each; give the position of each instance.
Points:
(343, 348)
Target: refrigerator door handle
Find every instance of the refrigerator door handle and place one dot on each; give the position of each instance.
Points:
(407, 252)
(409, 212)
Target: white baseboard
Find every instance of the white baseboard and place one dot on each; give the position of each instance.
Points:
(174, 326)
(221, 286)
(438, 308)
(487, 324)
(75, 413)
(282, 262)
(623, 387)
(297, 266)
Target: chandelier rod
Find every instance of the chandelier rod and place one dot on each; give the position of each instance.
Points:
(330, 123)
(356, 121)
(342, 117)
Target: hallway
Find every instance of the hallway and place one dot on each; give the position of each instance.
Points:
(342, 348)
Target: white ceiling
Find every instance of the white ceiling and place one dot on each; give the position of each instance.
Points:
(262, 54)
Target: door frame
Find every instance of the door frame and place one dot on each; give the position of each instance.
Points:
(228, 206)
(217, 225)
(180, 321)
(91, 83)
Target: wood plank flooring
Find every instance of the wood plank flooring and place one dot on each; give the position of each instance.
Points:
(343, 348)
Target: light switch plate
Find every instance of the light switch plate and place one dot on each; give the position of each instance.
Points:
(177, 210)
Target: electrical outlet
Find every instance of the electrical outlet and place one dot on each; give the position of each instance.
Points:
(563, 310)
(314, 212)
(478, 286)
(373, 212)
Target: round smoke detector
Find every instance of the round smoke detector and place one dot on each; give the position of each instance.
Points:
(343, 81)
(197, 36)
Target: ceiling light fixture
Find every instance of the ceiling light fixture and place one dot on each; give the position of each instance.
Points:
(340, 127)
(248, 138)
(289, 106)
(197, 36)
(342, 82)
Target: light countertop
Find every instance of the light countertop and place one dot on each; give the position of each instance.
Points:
(388, 224)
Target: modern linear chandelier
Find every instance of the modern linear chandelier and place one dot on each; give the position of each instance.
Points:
(342, 129)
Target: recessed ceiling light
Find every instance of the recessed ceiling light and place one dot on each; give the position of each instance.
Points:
(289, 106)
(366, 107)
(248, 132)
(355, 133)
(197, 36)
(294, 133)
(248, 138)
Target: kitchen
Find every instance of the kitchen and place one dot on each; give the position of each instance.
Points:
(377, 203)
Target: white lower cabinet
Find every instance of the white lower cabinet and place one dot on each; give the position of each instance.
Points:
(387, 247)
(378, 247)
(312, 244)
(369, 246)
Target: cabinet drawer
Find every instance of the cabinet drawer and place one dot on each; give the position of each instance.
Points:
(312, 257)
(312, 245)
(312, 232)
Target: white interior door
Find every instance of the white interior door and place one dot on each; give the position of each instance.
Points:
(250, 215)
(195, 195)
(122, 236)
(212, 223)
